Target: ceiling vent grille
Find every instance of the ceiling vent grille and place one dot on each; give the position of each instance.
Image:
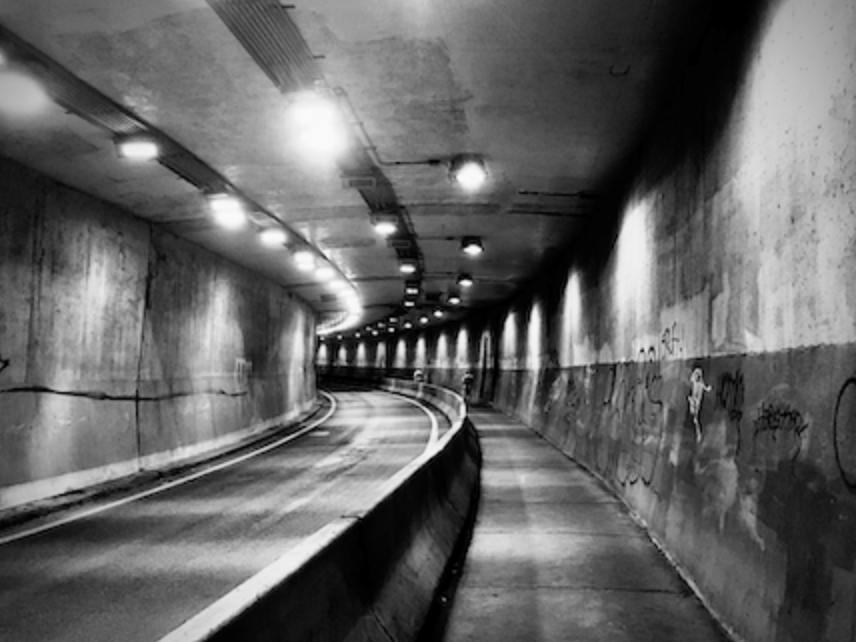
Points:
(359, 182)
(270, 36)
(399, 243)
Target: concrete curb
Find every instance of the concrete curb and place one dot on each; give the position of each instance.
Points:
(367, 576)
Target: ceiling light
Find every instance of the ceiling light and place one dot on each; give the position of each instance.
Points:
(357, 335)
(391, 330)
(393, 320)
(468, 171)
(385, 224)
(305, 260)
(227, 210)
(472, 245)
(438, 313)
(423, 320)
(21, 94)
(465, 280)
(411, 287)
(325, 272)
(139, 147)
(273, 236)
(407, 325)
(454, 299)
(318, 127)
(407, 266)
(374, 333)
(409, 303)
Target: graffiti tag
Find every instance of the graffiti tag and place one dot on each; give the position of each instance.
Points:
(777, 418)
(844, 433)
(731, 395)
(698, 388)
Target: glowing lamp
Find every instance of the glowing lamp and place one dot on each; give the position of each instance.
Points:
(137, 148)
(468, 171)
(472, 246)
(227, 210)
(273, 236)
(465, 280)
(21, 94)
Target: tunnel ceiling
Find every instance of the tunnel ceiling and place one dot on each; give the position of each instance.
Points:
(553, 94)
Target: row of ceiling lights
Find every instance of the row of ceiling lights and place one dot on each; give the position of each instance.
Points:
(22, 95)
(229, 211)
(320, 129)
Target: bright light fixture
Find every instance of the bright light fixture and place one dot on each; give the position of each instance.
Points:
(318, 126)
(472, 245)
(454, 299)
(407, 266)
(465, 280)
(438, 313)
(411, 287)
(227, 210)
(305, 260)
(325, 272)
(408, 303)
(273, 236)
(468, 171)
(385, 224)
(385, 228)
(21, 94)
(407, 325)
(137, 148)
(423, 320)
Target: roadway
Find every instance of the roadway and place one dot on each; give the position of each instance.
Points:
(136, 567)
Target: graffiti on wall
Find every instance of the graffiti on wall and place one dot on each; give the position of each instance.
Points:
(243, 371)
(635, 399)
(844, 433)
(697, 389)
(731, 395)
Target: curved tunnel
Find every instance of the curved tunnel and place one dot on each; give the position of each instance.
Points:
(692, 346)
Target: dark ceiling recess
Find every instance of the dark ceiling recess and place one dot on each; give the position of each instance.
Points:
(273, 40)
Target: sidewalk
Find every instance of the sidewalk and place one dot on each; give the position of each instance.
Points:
(555, 556)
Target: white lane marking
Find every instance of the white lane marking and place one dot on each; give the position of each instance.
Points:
(35, 530)
(435, 426)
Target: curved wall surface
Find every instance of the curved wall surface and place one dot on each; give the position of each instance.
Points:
(124, 347)
(698, 350)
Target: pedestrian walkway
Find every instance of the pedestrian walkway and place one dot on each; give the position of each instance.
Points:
(555, 556)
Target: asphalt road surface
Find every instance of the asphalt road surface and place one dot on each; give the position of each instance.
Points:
(140, 567)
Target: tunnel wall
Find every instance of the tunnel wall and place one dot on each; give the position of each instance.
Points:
(123, 347)
(698, 351)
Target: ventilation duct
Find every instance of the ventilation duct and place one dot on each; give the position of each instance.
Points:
(270, 36)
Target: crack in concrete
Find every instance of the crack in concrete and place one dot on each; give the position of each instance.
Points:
(105, 396)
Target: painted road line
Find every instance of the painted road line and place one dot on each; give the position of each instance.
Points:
(435, 425)
(35, 530)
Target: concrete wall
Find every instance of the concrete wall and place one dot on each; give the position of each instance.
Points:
(699, 349)
(123, 347)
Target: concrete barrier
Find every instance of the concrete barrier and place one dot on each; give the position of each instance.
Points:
(369, 575)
